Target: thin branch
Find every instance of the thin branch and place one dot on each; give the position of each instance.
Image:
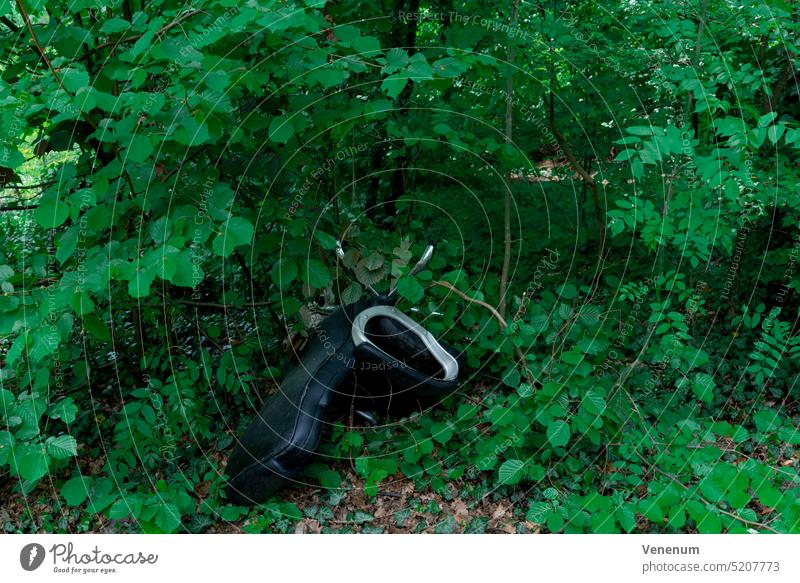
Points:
(578, 167)
(84, 114)
(509, 131)
(27, 186)
(11, 26)
(498, 317)
(19, 207)
(665, 211)
(184, 162)
(725, 512)
(771, 102)
(135, 37)
(220, 306)
(698, 48)
(27, 20)
(458, 292)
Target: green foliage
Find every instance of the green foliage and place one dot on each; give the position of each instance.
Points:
(174, 180)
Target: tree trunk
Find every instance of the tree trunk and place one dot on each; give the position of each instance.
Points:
(398, 180)
(509, 129)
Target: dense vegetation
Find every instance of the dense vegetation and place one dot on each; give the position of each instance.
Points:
(614, 189)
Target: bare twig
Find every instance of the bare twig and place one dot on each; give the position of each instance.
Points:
(458, 292)
(19, 207)
(11, 26)
(498, 317)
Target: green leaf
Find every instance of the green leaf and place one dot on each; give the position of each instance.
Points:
(102, 496)
(235, 231)
(713, 487)
(558, 433)
(119, 509)
(168, 517)
(328, 77)
(51, 213)
(281, 129)
(449, 67)
(593, 402)
(190, 132)
(182, 269)
(284, 272)
(231, 513)
(555, 522)
(651, 509)
(374, 261)
(396, 59)
(12, 158)
(325, 240)
(330, 479)
(637, 168)
(626, 516)
(366, 45)
(572, 357)
(441, 432)
(394, 84)
(138, 149)
(65, 409)
(31, 409)
(33, 465)
(757, 136)
(7, 400)
(511, 377)
(7, 441)
(115, 25)
(139, 285)
(538, 512)
(410, 288)
(62, 447)
(352, 293)
(703, 387)
(220, 200)
(97, 327)
(73, 79)
(677, 517)
(709, 524)
(767, 119)
(240, 230)
(67, 244)
(290, 511)
(775, 132)
(418, 67)
(643, 130)
(626, 155)
(767, 420)
(76, 490)
(316, 274)
(525, 390)
(511, 472)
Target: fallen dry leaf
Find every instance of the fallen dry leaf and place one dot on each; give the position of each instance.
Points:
(460, 510)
